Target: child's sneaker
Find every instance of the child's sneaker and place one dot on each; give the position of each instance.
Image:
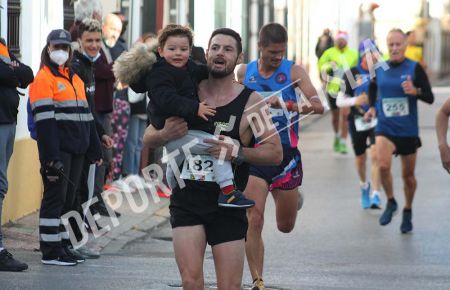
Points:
(235, 199)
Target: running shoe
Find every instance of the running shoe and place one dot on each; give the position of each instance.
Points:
(258, 284)
(60, 261)
(235, 199)
(8, 263)
(342, 147)
(336, 145)
(365, 197)
(406, 225)
(88, 253)
(391, 209)
(375, 201)
(72, 253)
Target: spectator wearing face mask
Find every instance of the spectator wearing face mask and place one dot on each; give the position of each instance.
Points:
(66, 135)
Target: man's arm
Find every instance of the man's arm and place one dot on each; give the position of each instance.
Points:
(77, 69)
(373, 94)
(422, 86)
(309, 91)
(269, 150)
(174, 128)
(23, 72)
(325, 65)
(7, 76)
(256, 122)
(346, 98)
(442, 118)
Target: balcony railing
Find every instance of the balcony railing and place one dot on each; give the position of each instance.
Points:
(14, 26)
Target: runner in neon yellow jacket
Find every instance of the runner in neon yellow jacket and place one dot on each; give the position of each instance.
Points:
(334, 62)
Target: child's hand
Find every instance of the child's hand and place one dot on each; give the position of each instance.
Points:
(204, 111)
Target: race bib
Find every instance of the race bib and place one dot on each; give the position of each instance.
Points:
(395, 107)
(362, 125)
(198, 168)
(273, 112)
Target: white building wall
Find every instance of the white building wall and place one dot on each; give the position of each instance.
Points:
(135, 20)
(203, 22)
(112, 5)
(234, 15)
(4, 13)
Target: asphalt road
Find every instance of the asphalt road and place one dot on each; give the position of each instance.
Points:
(335, 245)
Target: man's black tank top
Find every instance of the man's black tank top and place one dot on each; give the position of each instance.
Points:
(211, 189)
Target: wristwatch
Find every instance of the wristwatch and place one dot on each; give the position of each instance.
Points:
(239, 158)
(418, 92)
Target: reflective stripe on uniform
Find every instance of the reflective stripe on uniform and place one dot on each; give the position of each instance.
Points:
(49, 222)
(50, 238)
(74, 117)
(44, 116)
(42, 102)
(68, 104)
(5, 59)
(64, 235)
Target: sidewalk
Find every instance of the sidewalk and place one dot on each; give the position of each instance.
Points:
(24, 233)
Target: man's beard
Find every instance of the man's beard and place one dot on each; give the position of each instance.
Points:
(223, 73)
(220, 74)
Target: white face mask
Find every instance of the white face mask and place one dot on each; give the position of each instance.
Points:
(59, 56)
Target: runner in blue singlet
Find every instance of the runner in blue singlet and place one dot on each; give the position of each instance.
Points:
(276, 79)
(394, 93)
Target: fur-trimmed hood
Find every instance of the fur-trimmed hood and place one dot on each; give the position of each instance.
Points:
(131, 65)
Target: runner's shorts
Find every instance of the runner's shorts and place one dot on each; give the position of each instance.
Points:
(197, 207)
(332, 101)
(404, 145)
(361, 140)
(286, 176)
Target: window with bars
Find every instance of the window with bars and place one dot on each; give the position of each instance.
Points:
(14, 26)
(69, 14)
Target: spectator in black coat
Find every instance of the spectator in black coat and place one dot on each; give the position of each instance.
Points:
(13, 74)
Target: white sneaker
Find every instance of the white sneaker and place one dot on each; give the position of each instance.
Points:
(60, 261)
(135, 182)
(121, 185)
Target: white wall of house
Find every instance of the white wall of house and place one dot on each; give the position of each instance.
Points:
(203, 22)
(111, 6)
(3, 13)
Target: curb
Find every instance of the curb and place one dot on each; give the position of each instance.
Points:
(24, 233)
(112, 244)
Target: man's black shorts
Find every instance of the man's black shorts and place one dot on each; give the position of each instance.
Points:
(360, 140)
(404, 145)
(332, 101)
(200, 208)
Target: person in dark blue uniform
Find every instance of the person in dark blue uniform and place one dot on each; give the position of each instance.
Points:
(393, 96)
